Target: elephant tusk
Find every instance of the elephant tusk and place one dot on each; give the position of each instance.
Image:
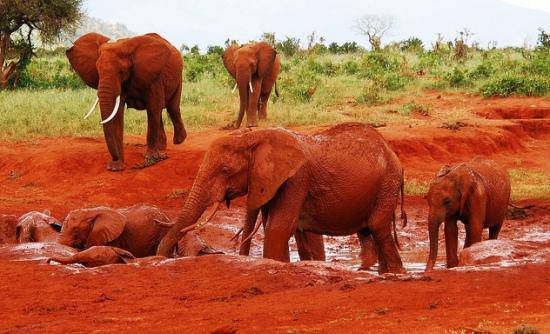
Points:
(92, 108)
(198, 225)
(234, 88)
(163, 223)
(250, 85)
(115, 110)
(253, 232)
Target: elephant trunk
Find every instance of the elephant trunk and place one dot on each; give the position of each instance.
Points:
(433, 227)
(194, 207)
(109, 98)
(244, 84)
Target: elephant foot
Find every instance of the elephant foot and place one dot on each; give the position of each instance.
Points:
(179, 137)
(151, 158)
(230, 126)
(115, 166)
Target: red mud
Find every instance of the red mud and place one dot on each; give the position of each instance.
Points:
(248, 295)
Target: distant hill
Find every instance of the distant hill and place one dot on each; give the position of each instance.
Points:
(92, 24)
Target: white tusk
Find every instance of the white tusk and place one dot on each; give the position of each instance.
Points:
(250, 85)
(198, 225)
(113, 114)
(93, 108)
(234, 88)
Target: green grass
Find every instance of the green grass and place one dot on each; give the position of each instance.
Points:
(529, 184)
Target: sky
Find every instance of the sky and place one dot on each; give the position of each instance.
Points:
(211, 22)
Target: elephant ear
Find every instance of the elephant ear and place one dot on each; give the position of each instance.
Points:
(83, 56)
(275, 157)
(472, 191)
(228, 58)
(148, 60)
(266, 57)
(106, 226)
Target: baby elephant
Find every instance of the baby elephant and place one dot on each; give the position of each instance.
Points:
(137, 229)
(96, 256)
(37, 227)
(476, 193)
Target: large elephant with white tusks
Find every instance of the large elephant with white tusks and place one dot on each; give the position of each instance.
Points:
(144, 73)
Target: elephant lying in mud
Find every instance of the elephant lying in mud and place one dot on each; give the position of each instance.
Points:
(37, 226)
(95, 256)
(137, 229)
(341, 181)
(477, 193)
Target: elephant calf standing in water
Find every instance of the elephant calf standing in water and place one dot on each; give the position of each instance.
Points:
(475, 192)
(341, 181)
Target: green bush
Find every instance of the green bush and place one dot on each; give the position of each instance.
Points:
(49, 72)
(513, 84)
(299, 85)
(457, 78)
(372, 93)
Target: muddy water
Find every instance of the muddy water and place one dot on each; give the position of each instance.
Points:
(344, 251)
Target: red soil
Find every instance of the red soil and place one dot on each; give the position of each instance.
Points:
(228, 293)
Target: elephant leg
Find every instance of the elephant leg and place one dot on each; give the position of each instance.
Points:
(310, 246)
(494, 231)
(451, 243)
(174, 112)
(161, 144)
(379, 224)
(369, 254)
(153, 155)
(250, 222)
(282, 221)
(252, 111)
(114, 136)
(262, 108)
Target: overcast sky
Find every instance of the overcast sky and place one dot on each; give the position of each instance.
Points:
(208, 22)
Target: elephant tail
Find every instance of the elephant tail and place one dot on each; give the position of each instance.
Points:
(276, 89)
(403, 213)
(395, 232)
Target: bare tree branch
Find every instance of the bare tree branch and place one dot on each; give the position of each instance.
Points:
(374, 27)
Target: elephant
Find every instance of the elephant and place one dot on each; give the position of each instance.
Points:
(143, 72)
(37, 226)
(96, 256)
(340, 181)
(477, 193)
(255, 68)
(137, 229)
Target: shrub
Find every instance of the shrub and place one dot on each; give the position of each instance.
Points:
(299, 85)
(457, 78)
(413, 107)
(350, 67)
(289, 46)
(513, 84)
(413, 44)
(372, 93)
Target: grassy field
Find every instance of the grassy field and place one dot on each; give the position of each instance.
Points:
(316, 89)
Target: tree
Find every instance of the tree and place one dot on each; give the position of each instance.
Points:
(19, 20)
(374, 27)
(269, 38)
(543, 38)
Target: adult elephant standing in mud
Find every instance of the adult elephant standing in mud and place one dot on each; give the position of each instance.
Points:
(143, 72)
(255, 67)
(343, 180)
(477, 193)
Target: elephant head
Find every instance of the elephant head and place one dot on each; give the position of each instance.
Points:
(253, 163)
(85, 228)
(112, 67)
(37, 226)
(246, 64)
(449, 197)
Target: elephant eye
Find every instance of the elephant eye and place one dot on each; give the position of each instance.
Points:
(226, 171)
(447, 201)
